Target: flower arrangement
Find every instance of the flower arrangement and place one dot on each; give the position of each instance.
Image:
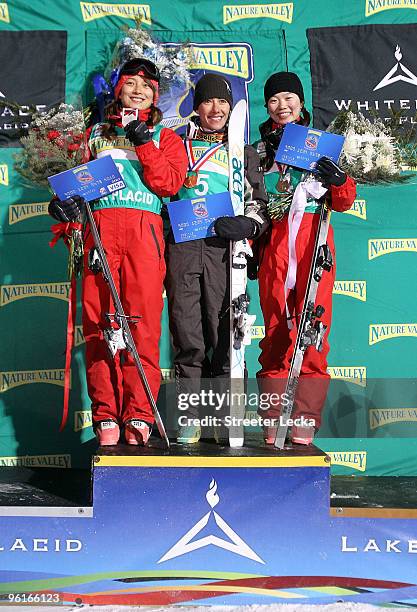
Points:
(55, 142)
(172, 61)
(374, 151)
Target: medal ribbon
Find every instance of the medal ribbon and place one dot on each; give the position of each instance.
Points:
(194, 166)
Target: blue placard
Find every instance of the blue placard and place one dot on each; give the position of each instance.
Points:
(193, 219)
(93, 180)
(302, 146)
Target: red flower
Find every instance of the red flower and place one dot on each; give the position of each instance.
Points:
(53, 134)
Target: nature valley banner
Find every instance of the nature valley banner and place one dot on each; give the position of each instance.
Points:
(378, 72)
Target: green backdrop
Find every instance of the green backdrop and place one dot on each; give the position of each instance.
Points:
(370, 424)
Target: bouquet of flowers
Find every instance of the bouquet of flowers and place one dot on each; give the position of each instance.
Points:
(173, 61)
(56, 141)
(372, 152)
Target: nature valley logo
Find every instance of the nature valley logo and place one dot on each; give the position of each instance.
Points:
(235, 60)
(352, 459)
(78, 335)
(97, 10)
(353, 374)
(54, 461)
(21, 212)
(378, 417)
(376, 6)
(82, 419)
(352, 288)
(219, 158)
(4, 12)
(9, 380)
(281, 12)
(168, 374)
(257, 332)
(383, 246)
(387, 331)
(11, 293)
(358, 209)
(4, 174)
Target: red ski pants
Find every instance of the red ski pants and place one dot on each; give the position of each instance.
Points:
(134, 245)
(278, 344)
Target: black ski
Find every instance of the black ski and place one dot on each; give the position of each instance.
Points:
(121, 338)
(310, 329)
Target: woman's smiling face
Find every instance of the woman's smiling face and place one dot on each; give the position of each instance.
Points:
(284, 107)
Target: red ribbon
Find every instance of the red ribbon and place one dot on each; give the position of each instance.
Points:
(64, 230)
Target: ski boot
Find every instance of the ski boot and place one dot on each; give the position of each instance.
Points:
(189, 434)
(107, 433)
(302, 435)
(137, 432)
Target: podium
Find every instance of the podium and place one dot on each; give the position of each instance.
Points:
(203, 524)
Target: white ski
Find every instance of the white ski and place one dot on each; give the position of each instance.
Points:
(240, 320)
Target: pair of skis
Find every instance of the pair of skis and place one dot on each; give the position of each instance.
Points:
(240, 321)
(121, 338)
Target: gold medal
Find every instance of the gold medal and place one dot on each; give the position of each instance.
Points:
(191, 180)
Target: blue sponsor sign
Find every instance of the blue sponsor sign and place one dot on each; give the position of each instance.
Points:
(193, 219)
(93, 180)
(303, 146)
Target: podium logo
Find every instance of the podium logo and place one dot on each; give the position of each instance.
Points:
(358, 209)
(12, 293)
(4, 174)
(82, 419)
(353, 374)
(351, 459)
(352, 288)
(4, 12)
(234, 543)
(281, 12)
(387, 331)
(377, 6)
(97, 10)
(378, 417)
(383, 246)
(227, 59)
(398, 72)
(9, 380)
(21, 212)
(54, 461)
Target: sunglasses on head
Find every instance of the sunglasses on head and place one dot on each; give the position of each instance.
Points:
(137, 65)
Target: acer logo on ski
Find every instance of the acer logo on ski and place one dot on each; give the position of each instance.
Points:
(29, 78)
(382, 64)
(237, 185)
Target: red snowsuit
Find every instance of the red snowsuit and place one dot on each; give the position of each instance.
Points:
(278, 344)
(130, 228)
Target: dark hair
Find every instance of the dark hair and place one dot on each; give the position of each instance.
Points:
(265, 130)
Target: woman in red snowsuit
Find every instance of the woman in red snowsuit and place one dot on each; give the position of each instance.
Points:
(153, 164)
(284, 100)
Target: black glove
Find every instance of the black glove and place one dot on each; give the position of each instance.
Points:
(274, 138)
(329, 173)
(236, 228)
(138, 133)
(66, 210)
